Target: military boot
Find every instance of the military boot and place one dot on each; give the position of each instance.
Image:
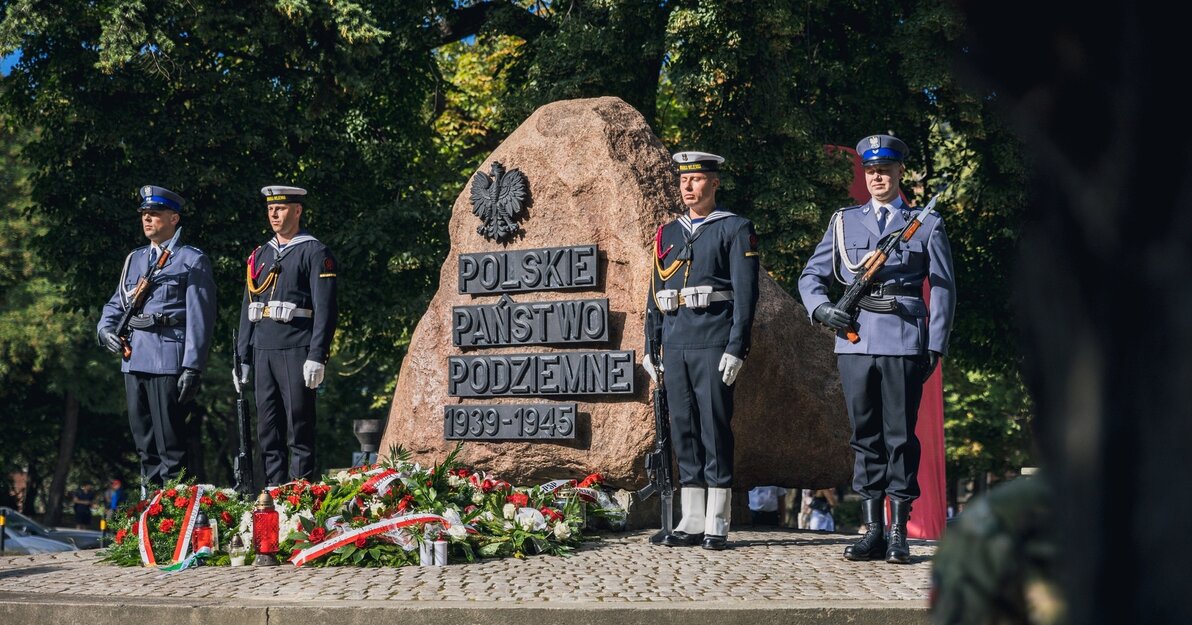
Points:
(898, 552)
(872, 545)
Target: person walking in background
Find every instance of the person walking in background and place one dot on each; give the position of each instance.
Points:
(287, 321)
(166, 351)
(702, 299)
(822, 503)
(899, 344)
(113, 499)
(83, 500)
(765, 505)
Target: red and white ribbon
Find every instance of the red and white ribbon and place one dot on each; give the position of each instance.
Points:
(188, 525)
(380, 481)
(143, 544)
(331, 544)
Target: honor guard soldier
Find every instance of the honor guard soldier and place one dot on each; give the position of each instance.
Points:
(702, 299)
(899, 339)
(163, 326)
(287, 322)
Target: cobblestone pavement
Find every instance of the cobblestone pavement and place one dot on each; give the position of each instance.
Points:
(779, 568)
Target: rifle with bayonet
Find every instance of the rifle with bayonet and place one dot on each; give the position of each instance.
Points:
(242, 466)
(658, 460)
(140, 293)
(851, 300)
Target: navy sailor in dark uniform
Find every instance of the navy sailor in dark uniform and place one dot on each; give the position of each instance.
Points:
(170, 335)
(702, 299)
(287, 322)
(901, 340)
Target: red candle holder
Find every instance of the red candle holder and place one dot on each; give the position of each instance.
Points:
(265, 528)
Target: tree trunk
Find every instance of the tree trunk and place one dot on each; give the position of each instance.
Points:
(66, 448)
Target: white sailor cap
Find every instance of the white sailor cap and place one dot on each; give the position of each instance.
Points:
(692, 162)
(283, 195)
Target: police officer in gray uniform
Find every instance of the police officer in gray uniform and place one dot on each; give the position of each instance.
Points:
(287, 322)
(170, 335)
(702, 299)
(900, 339)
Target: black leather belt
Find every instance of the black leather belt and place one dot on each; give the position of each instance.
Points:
(895, 290)
(141, 322)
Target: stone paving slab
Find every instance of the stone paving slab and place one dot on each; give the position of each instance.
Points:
(778, 576)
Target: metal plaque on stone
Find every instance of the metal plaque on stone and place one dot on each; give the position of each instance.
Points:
(541, 269)
(541, 374)
(509, 422)
(531, 323)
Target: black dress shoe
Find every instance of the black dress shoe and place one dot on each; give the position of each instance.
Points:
(682, 539)
(715, 543)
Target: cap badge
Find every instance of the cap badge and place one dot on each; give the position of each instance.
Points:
(874, 143)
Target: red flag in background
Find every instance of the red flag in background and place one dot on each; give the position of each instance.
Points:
(929, 512)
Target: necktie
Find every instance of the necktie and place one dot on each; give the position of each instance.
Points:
(881, 218)
(152, 255)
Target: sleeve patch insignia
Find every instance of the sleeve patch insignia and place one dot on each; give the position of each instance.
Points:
(328, 265)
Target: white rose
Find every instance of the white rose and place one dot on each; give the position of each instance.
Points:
(454, 481)
(478, 498)
(531, 520)
(562, 530)
(509, 511)
(342, 476)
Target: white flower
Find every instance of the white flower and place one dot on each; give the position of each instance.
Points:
(531, 520)
(375, 507)
(454, 481)
(562, 530)
(343, 476)
(509, 511)
(478, 498)
(457, 529)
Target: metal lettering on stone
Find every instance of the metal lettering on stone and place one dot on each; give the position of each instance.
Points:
(541, 269)
(509, 422)
(498, 201)
(543, 374)
(533, 323)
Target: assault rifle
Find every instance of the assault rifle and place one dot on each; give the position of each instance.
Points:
(859, 288)
(242, 466)
(140, 293)
(658, 460)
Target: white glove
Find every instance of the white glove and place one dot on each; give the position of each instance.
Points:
(729, 367)
(651, 370)
(240, 378)
(312, 372)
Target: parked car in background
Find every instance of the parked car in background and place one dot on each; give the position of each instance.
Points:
(19, 525)
(16, 544)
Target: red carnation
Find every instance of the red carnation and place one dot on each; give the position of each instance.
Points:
(220, 497)
(225, 517)
(518, 499)
(170, 494)
(361, 542)
(486, 486)
(275, 492)
(317, 535)
(181, 502)
(166, 526)
(206, 501)
(120, 536)
(155, 509)
(405, 503)
(133, 529)
(294, 500)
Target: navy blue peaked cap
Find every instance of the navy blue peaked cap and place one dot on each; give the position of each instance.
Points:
(878, 149)
(157, 198)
